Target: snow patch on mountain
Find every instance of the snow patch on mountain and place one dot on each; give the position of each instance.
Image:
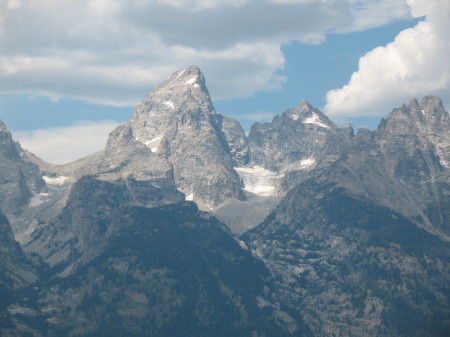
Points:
(304, 164)
(307, 162)
(37, 199)
(192, 81)
(169, 104)
(315, 119)
(153, 144)
(258, 180)
(56, 181)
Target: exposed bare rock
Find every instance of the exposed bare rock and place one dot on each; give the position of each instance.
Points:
(19, 178)
(297, 141)
(178, 122)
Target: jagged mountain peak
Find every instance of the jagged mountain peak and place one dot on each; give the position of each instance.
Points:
(183, 75)
(309, 115)
(304, 109)
(413, 104)
(409, 151)
(428, 116)
(430, 102)
(178, 123)
(296, 140)
(305, 106)
(429, 106)
(434, 110)
(189, 80)
(183, 94)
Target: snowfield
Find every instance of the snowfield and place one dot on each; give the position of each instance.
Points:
(258, 180)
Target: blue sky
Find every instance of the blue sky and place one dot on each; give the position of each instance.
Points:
(70, 72)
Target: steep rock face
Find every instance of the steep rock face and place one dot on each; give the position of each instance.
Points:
(419, 132)
(183, 93)
(16, 275)
(298, 140)
(415, 145)
(400, 165)
(15, 270)
(234, 138)
(126, 158)
(439, 125)
(169, 271)
(177, 121)
(20, 179)
(352, 268)
(90, 217)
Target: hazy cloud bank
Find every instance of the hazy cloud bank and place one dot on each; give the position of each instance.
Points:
(60, 145)
(114, 51)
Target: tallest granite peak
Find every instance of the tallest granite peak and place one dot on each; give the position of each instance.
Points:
(177, 122)
(183, 93)
(188, 81)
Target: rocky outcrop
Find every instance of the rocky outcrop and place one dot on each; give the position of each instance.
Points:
(20, 181)
(298, 137)
(15, 270)
(19, 178)
(299, 140)
(17, 274)
(235, 139)
(414, 143)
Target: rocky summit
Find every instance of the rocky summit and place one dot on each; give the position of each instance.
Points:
(178, 122)
(299, 137)
(185, 226)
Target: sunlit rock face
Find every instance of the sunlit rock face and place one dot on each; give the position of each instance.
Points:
(20, 180)
(178, 122)
(297, 141)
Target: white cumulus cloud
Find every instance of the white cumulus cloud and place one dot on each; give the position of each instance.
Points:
(416, 63)
(60, 145)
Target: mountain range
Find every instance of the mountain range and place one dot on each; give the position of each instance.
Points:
(186, 226)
